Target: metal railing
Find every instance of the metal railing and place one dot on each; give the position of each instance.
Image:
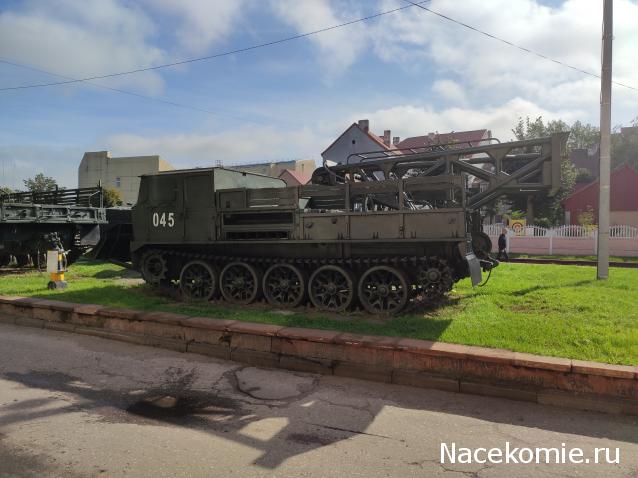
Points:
(89, 197)
(618, 231)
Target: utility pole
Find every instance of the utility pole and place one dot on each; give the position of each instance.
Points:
(605, 139)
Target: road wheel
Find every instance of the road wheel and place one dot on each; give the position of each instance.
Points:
(284, 285)
(383, 290)
(434, 279)
(240, 283)
(153, 267)
(198, 280)
(331, 288)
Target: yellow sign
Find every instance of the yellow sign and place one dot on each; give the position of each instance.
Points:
(518, 226)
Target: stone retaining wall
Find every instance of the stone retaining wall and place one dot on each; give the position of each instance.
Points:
(420, 363)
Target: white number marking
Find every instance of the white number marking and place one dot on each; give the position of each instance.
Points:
(162, 219)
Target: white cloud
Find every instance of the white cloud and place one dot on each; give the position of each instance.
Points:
(337, 49)
(21, 162)
(201, 22)
(96, 37)
(265, 143)
(495, 72)
(410, 120)
(242, 145)
(450, 90)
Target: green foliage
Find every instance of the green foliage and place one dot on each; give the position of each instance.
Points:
(544, 309)
(543, 222)
(5, 190)
(583, 176)
(624, 147)
(527, 129)
(582, 136)
(40, 183)
(516, 215)
(112, 197)
(587, 217)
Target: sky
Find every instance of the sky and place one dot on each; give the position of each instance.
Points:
(409, 71)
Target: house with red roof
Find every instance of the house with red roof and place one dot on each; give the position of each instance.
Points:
(358, 139)
(464, 139)
(623, 199)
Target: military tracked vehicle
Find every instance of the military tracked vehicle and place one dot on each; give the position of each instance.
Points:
(384, 229)
(32, 223)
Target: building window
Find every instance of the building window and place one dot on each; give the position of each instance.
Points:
(118, 182)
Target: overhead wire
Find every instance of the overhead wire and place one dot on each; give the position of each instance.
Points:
(132, 93)
(514, 45)
(216, 55)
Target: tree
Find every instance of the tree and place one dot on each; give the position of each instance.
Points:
(583, 176)
(582, 136)
(624, 147)
(5, 190)
(112, 197)
(40, 183)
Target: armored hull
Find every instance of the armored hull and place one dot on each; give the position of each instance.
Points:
(29, 229)
(385, 233)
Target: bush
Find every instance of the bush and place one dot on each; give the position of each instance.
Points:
(112, 197)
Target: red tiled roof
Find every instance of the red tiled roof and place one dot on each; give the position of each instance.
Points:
(454, 137)
(379, 140)
(300, 178)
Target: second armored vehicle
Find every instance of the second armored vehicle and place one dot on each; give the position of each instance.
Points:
(32, 223)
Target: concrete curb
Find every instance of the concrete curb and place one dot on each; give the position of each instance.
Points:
(420, 363)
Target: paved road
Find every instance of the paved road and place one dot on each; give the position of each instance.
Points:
(73, 405)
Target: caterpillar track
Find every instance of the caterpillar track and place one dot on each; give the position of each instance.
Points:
(381, 285)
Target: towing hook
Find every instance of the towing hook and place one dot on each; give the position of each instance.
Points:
(488, 264)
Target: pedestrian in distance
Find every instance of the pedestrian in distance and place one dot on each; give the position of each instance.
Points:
(502, 246)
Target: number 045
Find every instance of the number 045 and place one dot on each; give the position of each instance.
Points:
(164, 219)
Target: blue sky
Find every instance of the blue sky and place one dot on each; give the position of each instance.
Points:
(409, 71)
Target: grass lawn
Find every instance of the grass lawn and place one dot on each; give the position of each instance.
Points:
(543, 309)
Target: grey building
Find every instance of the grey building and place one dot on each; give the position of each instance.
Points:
(122, 174)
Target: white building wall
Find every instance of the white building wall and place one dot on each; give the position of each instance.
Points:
(352, 141)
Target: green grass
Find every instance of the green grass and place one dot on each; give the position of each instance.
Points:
(543, 309)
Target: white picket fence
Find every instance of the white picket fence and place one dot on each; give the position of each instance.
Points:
(620, 232)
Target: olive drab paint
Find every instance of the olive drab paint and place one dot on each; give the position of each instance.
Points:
(384, 231)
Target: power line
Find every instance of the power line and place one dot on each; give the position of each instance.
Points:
(507, 42)
(217, 55)
(131, 93)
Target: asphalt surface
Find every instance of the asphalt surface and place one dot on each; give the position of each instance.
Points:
(73, 405)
